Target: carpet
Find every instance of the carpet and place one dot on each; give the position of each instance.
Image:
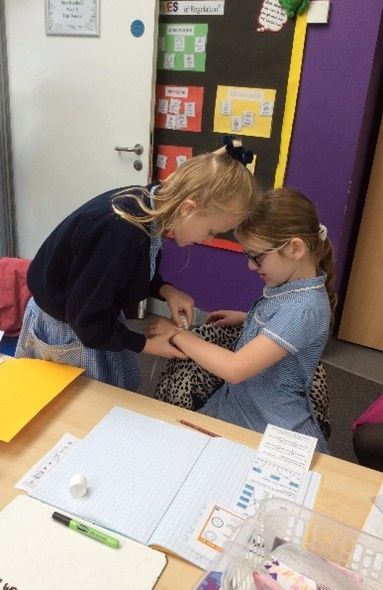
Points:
(350, 395)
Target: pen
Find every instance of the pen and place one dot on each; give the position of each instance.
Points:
(80, 527)
(199, 428)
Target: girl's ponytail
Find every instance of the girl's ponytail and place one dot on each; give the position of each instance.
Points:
(325, 261)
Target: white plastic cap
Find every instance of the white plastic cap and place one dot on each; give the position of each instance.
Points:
(77, 485)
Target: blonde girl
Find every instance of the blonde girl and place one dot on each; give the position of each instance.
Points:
(268, 376)
(93, 270)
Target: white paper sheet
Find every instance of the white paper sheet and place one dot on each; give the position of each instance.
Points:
(36, 553)
(292, 449)
(38, 471)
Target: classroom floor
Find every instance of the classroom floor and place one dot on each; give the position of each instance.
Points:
(358, 360)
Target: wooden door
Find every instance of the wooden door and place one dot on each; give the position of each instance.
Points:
(362, 319)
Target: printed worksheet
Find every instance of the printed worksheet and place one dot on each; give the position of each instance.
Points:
(37, 472)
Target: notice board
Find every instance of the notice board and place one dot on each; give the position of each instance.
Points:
(226, 67)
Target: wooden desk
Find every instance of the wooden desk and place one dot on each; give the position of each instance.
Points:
(344, 494)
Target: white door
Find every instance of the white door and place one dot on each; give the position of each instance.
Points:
(73, 100)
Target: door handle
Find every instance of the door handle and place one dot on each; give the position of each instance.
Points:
(137, 149)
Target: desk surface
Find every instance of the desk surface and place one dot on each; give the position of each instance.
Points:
(344, 493)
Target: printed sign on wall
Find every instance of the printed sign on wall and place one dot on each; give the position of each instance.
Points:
(169, 157)
(192, 7)
(182, 47)
(72, 17)
(272, 16)
(246, 111)
(179, 107)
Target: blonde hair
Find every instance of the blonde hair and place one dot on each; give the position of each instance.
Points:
(214, 181)
(283, 214)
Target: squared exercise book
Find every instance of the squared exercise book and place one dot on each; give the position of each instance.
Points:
(150, 480)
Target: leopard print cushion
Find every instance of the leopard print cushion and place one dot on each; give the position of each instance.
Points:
(320, 400)
(183, 382)
(183, 379)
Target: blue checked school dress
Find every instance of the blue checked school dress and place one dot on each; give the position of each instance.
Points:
(46, 337)
(295, 315)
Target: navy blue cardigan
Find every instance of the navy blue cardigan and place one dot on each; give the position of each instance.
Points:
(92, 266)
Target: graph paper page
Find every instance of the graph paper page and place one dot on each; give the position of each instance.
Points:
(216, 479)
(134, 466)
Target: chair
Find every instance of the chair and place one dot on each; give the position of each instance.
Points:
(14, 296)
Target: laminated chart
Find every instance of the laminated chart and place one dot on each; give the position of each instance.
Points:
(169, 157)
(179, 107)
(246, 111)
(182, 47)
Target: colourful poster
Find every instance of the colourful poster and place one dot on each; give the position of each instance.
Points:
(245, 111)
(179, 107)
(168, 158)
(182, 47)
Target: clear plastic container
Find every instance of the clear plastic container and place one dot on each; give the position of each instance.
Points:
(329, 553)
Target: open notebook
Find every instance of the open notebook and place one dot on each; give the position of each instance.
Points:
(152, 481)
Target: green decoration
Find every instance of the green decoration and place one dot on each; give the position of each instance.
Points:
(293, 7)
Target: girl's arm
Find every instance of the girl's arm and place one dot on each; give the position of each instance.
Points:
(160, 346)
(234, 367)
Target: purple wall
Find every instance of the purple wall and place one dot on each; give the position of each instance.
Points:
(333, 123)
(330, 139)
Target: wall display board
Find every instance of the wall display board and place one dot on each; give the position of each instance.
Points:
(227, 67)
(182, 47)
(244, 111)
(179, 108)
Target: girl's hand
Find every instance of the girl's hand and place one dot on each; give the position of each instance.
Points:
(160, 346)
(178, 302)
(159, 326)
(226, 317)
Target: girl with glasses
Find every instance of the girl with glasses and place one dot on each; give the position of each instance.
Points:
(267, 378)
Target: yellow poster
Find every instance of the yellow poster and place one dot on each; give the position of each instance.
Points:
(246, 111)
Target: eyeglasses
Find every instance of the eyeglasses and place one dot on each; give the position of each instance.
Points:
(257, 258)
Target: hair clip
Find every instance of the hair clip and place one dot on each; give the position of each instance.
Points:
(237, 152)
(322, 232)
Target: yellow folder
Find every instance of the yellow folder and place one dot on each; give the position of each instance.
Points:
(26, 387)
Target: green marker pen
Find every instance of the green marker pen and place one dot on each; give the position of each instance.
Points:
(80, 527)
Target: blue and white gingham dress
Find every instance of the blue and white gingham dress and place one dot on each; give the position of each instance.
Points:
(44, 337)
(295, 315)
